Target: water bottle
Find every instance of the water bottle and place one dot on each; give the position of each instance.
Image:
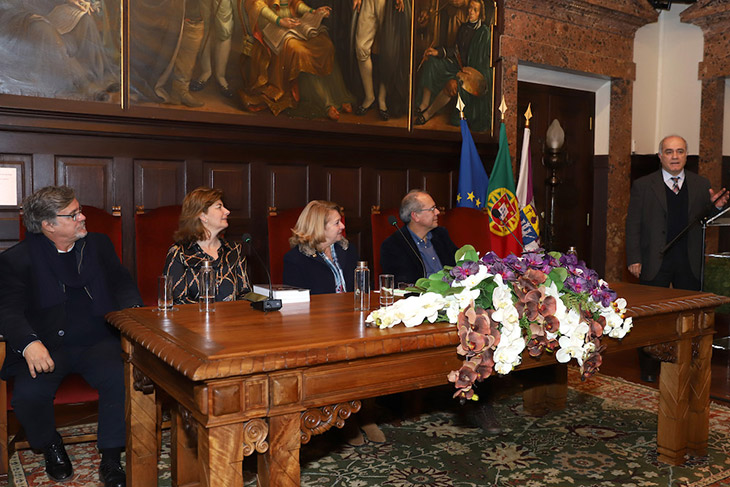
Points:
(206, 288)
(362, 286)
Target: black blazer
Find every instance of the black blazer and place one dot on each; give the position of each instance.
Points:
(646, 222)
(22, 320)
(406, 264)
(314, 274)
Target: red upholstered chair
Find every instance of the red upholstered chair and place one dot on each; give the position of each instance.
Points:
(467, 226)
(99, 221)
(76, 403)
(153, 232)
(381, 229)
(279, 224)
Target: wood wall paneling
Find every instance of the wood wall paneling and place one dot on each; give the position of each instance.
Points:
(344, 187)
(440, 184)
(91, 178)
(392, 184)
(159, 183)
(234, 179)
(289, 186)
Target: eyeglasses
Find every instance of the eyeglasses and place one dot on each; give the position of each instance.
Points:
(75, 215)
(432, 209)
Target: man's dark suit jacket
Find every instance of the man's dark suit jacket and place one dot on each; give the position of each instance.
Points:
(406, 264)
(314, 274)
(23, 321)
(646, 222)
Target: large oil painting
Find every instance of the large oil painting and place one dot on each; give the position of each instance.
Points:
(366, 62)
(453, 47)
(66, 49)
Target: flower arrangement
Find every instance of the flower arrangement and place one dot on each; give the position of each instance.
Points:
(540, 302)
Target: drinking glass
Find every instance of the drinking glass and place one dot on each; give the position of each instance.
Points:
(387, 281)
(164, 293)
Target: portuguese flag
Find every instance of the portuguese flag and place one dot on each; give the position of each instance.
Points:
(504, 212)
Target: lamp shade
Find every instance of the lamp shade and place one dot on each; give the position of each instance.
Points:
(555, 135)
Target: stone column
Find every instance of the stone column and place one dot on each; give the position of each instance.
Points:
(619, 176)
(711, 128)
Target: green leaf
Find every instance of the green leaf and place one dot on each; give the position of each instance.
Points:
(423, 283)
(439, 287)
(558, 275)
(467, 252)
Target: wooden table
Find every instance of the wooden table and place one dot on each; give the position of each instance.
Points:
(250, 382)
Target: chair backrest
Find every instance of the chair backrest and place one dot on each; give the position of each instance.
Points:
(381, 229)
(279, 224)
(467, 226)
(99, 221)
(153, 232)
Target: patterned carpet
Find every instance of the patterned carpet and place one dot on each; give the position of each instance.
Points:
(605, 437)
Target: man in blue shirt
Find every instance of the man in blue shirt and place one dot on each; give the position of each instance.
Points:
(422, 247)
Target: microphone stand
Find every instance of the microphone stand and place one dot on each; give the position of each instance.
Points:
(707, 222)
(394, 222)
(501, 223)
(704, 221)
(267, 304)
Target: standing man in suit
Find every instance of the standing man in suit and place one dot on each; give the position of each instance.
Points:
(56, 286)
(430, 246)
(662, 204)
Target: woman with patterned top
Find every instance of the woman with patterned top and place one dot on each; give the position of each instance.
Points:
(321, 259)
(198, 238)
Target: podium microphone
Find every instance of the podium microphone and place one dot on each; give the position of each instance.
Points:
(392, 220)
(500, 222)
(268, 304)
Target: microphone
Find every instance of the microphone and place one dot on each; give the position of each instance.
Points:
(268, 304)
(498, 219)
(392, 220)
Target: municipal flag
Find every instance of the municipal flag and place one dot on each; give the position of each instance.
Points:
(473, 180)
(504, 212)
(526, 199)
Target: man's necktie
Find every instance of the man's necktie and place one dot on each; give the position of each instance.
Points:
(675, 186)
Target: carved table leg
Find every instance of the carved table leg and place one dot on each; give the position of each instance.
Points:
(183, 451)
(141, 412)
(699, 396)
(279, 466)
(220, 455)
(674, 405)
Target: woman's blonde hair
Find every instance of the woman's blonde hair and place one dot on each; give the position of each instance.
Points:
(197, 201)
(308, 233)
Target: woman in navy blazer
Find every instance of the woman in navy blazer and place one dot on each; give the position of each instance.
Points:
(322, 261)
(321, 258)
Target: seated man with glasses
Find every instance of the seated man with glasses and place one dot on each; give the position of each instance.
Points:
(420, 247)
(56, 286)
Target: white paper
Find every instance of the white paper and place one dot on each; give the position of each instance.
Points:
(8, 186)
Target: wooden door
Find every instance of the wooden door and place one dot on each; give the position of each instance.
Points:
(575, 110)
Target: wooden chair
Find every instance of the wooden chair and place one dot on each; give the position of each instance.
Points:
(381, 229)
(153, 232)
(279, 224)
(98, 220)
(467, 226)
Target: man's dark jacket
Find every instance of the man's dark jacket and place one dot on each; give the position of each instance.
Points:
(405, 263)
(646, 222)
(22, 320)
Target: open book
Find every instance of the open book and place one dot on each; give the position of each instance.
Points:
(64, 17)
(310, 25)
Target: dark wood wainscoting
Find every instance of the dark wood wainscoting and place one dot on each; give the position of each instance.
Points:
(142, 165)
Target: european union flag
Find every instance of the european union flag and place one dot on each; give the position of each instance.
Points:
(473, 180)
